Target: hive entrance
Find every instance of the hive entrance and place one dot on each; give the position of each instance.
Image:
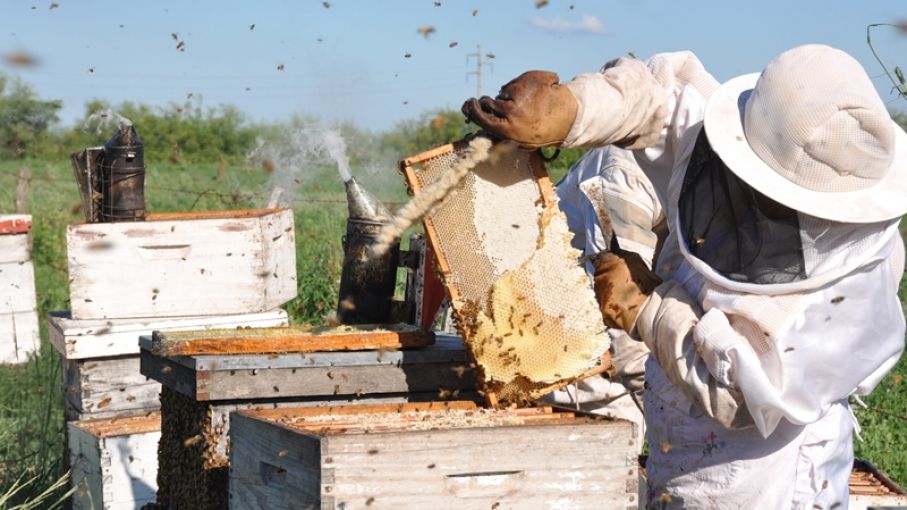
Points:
(522, 300)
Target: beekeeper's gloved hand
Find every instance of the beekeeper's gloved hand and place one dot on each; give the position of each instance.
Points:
(534, 110)
(623, 282)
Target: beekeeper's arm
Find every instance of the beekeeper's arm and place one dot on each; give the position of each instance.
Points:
(793, 356)
(666, 323)
(630, 103)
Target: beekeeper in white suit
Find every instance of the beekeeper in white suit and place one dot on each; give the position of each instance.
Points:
(607, 198)
(780, 270)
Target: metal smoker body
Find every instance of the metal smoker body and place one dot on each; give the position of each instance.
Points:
(111, 178)
(367, 283)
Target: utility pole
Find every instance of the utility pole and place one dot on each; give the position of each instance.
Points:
(478, 71)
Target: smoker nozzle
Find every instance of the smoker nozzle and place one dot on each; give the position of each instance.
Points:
(363, 205)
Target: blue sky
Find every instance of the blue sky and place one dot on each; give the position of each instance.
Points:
(347, 62)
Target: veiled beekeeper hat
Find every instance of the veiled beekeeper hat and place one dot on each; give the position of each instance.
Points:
(812, 133)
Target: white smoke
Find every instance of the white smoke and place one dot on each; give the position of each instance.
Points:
(294, 156)
(105, 118)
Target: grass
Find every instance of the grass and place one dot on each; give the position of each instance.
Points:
(31, 414)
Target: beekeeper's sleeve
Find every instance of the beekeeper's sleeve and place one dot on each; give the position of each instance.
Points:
(607, 186)
(794, 356)
(666, 324)
(636, 104)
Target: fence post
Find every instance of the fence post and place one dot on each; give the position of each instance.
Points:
(22, 185)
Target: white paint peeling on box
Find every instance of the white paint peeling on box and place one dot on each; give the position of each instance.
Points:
(573, 482)
(183, 264)
(18, 308)
(561, 504)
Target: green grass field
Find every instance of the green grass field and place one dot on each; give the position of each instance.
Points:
(31, 410)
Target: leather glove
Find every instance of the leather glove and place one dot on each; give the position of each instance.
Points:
(623, 282)
(534, 110)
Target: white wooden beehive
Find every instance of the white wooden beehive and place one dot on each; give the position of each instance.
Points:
(182, 264)
(18, 309)
(114, 462)
(437, 456)
(101, 376)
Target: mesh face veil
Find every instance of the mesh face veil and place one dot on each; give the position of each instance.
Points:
(749, 239)
(739, 232)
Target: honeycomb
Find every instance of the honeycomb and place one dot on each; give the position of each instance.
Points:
(523, 301)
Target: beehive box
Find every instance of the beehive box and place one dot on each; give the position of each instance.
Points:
(199, 392)
(437, 456)
(114, 462)
(182, 264)
(870, 488)
(18, 308)
(101, 375)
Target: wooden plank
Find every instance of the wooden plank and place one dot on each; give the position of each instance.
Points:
(439, 378)
(15, 248)
(343, 410)
(17, 287)
(568, 464)
(447, 349)
(96, 338)
(85, 461)
(437, 369)
(19, 336)
(113, 386)
(123, 426)
(210, 265)
(289, 339)
(210, 215)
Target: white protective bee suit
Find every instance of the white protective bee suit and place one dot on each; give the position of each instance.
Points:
(607, 193)
(781, 268)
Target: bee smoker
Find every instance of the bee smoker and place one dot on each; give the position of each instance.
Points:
(367, 283)
(111, 178)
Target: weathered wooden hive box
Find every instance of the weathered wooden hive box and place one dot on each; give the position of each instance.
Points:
(114, 462)
(18, 308)
(101, 376)
(870, 488)
(430, 456)
(200, 391)
(182, 264)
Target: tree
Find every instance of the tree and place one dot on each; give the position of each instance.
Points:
(24, 118)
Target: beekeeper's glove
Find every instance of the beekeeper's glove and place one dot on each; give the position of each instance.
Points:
(623, 282)
(534, 110)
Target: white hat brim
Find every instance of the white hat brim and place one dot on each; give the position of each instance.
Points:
(723, 122)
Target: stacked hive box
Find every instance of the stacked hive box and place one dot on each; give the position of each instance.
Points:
(417, 456)
(201, 390)
(229, 269)
(18, 311)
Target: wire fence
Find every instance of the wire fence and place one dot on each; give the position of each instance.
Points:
(229, 196)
